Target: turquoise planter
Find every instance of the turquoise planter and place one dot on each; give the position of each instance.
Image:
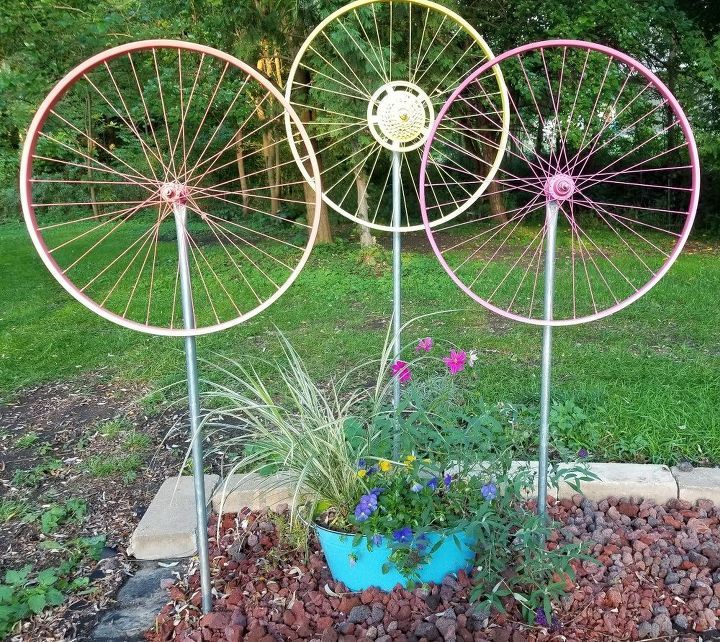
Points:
(358, 568)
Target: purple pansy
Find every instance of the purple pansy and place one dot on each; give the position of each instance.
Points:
(416, 488)
(433, 483)
(403, 535)
(366, 507)
(376, 540)
(447, 480)
(421, 541)
(582, 453)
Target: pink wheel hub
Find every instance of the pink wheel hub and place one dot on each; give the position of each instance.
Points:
(559, 187)
(174, 193)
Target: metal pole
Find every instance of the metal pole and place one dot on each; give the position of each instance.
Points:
(396, 195)
(194, 405)
(551, 216)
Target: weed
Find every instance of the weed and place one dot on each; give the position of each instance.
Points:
(292, 538)
(24, 593)
(74, 510)
(153, 403)
(44, 449)
(115, 427)
(27, 441)
(137, 442)
(33, 476)
(13, 509)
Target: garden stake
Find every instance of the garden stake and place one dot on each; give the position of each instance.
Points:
(601, 147)
(551, 231)
(392, 71)
(397, 303)
(178, 195)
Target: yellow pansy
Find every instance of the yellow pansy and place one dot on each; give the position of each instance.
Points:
(362, 473)
(410, 459)
(385, 465)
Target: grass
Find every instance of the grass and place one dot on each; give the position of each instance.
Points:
(110, 465)
(27, 441)
(115, 427)
(137, 442)
(647, 377)
(128, 444)
(11, 509)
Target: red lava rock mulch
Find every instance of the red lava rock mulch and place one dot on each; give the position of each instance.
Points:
(657, 577)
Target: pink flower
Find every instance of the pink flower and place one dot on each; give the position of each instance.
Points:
(425, 344)
(401, 371)
(456, 361)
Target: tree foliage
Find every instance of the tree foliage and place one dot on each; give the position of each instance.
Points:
(40, 40)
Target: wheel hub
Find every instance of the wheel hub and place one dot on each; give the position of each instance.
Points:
(174, 193)
(399, 114)
(559, 187)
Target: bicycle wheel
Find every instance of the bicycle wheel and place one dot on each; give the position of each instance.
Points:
(367, 82)
(597, 134)
(114, 144)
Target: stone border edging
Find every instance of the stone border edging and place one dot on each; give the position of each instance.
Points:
(167, 530)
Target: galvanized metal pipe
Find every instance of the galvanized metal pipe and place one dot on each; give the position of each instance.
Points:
(180, 212)
(551, 216)
(397, 266)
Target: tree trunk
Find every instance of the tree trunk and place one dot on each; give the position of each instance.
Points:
(90, 150)
(278, 172)
(493, 191)
(240, 156)
(324, 234)
(269, 156)
(487, 150)
(361, 185)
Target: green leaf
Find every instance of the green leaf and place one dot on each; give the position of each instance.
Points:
(47, 577)
(51, 545)
(16, 578)
(6, 594)
(36, 602)
(79, 582)
(54, 597)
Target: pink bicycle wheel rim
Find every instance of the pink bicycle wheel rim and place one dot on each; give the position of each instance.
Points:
(29, 206)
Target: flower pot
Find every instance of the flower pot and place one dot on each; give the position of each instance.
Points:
(359, 568)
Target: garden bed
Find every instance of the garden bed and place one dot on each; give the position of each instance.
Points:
(80, 461)
(657, 576)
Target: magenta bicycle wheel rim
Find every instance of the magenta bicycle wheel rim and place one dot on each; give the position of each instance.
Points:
(683, 124)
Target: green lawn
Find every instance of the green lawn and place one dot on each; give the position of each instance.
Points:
(647, 377)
